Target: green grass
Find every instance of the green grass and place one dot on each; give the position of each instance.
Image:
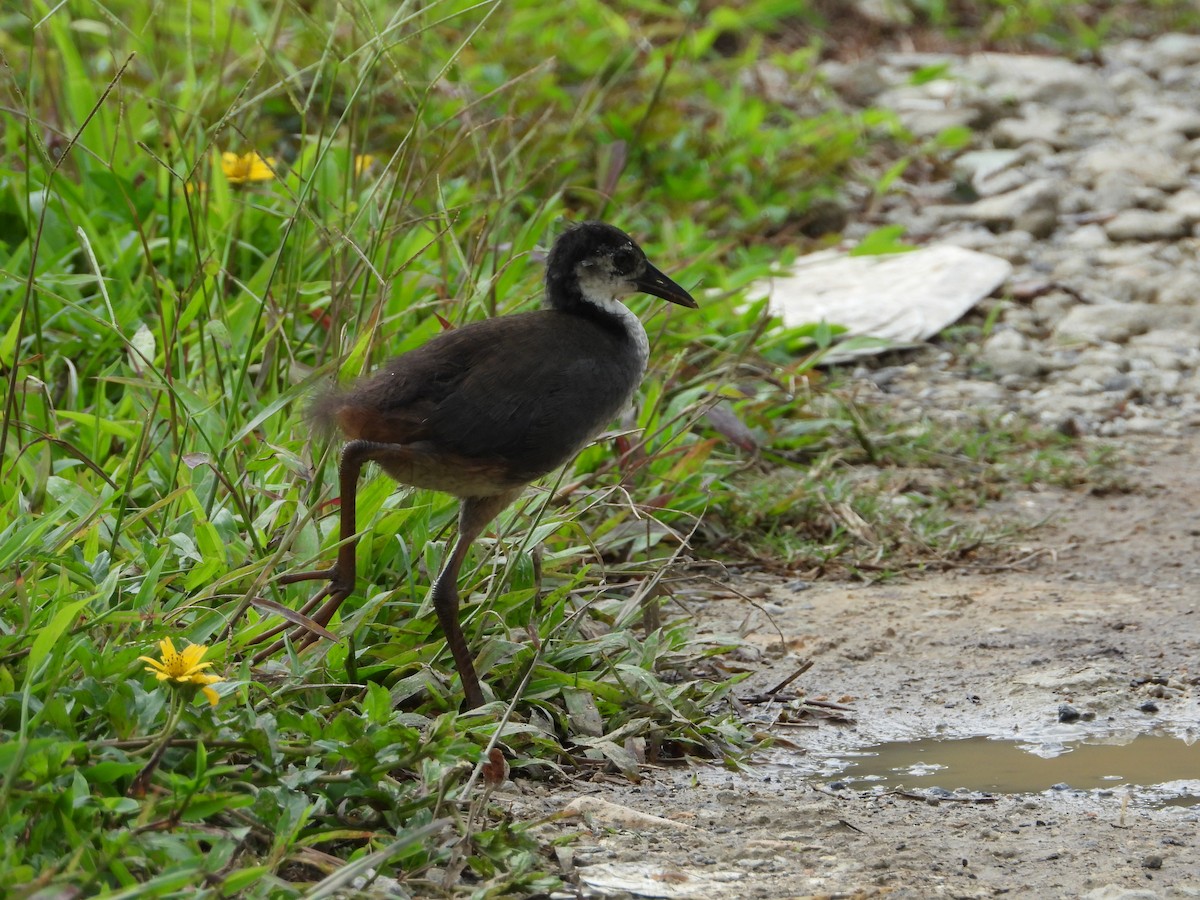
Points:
(161, 328)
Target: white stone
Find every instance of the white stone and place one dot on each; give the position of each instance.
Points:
(1147, 164)
(1186, 203)
(1087, 237)
(1145, 225)
(1037, 123)
(1053, 82)
(1107, 322)
(1173, 50)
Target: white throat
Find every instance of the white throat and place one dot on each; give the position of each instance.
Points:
(629, 321)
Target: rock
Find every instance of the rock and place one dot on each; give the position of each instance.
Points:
(1117, 892)
(972, 237)
(1115, 191)
(1148, 165)
(1133, 282)
(1173, 339)
(1093, 378)
(859, 83)
(1181, 288)
(1056, 83)
(1110, 357)
(991, 171)
(1067, 713)
(1186, 203)
(1051, 307)
(1075, 270)
(1013, 246)
(1146, 225)
(1038, 223)
(888, 13)
(1007, 353)
(1032, 208)
(1149, 425)
(1109, 322)
(1172, 50)
(1171, 120)
(1088, 237)
(1132, 81)
(1147, 197)
(930, 118)
(1036, 123)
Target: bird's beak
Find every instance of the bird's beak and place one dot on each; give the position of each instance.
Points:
(652, 281)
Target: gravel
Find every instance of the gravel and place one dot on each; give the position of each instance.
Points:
(1087, 179)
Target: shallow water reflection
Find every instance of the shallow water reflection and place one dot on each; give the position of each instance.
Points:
(1010, 767)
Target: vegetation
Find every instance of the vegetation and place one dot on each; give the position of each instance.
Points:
(209, 209)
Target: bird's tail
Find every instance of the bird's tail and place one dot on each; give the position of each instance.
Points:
(323, 414)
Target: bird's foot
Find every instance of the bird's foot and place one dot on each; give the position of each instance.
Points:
(310, 620)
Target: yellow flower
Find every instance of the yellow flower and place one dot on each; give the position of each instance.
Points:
(362, 162)
(184, 668)
(247, 167)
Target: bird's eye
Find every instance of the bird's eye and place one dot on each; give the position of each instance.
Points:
(624, 260)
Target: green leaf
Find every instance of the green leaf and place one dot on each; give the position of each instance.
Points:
(883, 241)
(377, 704)
(50, 634)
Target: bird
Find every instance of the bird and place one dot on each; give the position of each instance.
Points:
(483, 410)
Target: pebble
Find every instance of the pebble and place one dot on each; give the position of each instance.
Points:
(1116, 322)
(1067, 713)
(1145, 225)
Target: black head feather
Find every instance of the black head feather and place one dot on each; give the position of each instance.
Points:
(608, 261)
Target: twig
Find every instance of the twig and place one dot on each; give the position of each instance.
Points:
(800, 670)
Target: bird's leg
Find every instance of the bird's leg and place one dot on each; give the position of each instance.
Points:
(473, 517)
(341, 576)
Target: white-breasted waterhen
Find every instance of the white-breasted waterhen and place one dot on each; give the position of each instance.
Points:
(481, 411)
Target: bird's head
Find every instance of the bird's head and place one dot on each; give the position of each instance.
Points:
(598, 264)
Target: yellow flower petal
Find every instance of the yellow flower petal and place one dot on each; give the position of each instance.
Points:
(212, 695)
(250, 166)
(191, 656)
(183, 667)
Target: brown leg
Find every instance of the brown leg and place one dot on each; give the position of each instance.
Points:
(473, 517)
(341, 576)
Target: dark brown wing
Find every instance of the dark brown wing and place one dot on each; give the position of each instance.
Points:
(522, 391)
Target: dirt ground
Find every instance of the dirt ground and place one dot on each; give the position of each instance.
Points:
(1100, 614)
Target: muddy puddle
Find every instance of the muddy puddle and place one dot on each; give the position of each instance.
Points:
(1155, 768)
(1152, 770)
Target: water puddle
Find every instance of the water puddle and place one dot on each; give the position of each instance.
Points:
(1011, 767)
